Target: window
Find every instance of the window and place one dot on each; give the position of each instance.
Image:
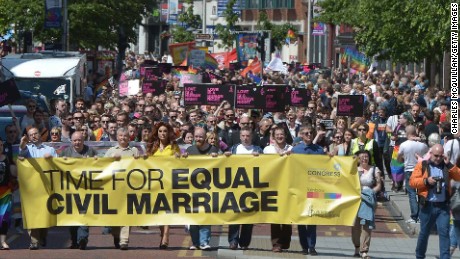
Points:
(268, 4)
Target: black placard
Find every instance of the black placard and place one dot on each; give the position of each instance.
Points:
(329, 124)
(151, 73)
(248, 97)
(194, 94)
(215, 94)
(275, 97)
(208, 94)
(165, 67)
(155, 87)
(350, 105)
(9, 92)
(300, 97)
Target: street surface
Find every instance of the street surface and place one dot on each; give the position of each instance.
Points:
(391, 239)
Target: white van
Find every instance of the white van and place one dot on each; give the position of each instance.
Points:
(47, 75)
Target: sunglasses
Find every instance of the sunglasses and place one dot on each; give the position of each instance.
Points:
(105, 121)
(339, 137)
(54, 133)
(307, 133)
(361, 129)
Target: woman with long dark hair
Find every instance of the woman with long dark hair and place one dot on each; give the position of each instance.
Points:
(164, 144)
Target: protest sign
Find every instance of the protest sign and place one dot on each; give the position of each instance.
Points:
(195, 94)
(156, 87)
(300, 97)
(215, 94)
(329, 124)
(350, 105)
(248, 97)
(275, 97)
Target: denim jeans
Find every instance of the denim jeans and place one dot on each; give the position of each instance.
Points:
(243, 238)
(200, 234)
(414, 209)
(307, 236)
(78, 233)
(430, 215)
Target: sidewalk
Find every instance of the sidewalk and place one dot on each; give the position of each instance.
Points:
(342, 247)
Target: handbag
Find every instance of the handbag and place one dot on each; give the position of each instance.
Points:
(455, 201)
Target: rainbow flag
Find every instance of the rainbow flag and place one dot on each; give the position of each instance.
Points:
(397, 168)
(210, 62)
(358, 61)
(290, 34)
(98, 87)
(6, 203)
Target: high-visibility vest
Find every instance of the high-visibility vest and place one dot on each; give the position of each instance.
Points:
(369, 146)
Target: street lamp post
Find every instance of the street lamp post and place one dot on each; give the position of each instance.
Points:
(213, 18)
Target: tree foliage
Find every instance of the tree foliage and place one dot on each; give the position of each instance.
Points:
(92, 23)
(279, 31)
(226, 32)
(403, 31)
(190, 21)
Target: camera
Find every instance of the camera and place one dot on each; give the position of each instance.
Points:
(438, 185)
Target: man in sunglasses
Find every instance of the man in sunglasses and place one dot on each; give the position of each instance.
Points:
(432, 180)
(101, 132)
(307, 234)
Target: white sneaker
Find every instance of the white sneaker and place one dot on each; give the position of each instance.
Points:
(412, 221)
(205, 247)
(193, 248)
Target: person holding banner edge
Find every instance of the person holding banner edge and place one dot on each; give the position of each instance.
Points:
(32, 147)
(164, 144)
(280, 233)
(201, 234)
(235, 237)
(78, 234)
(307, 234)
(121, 234)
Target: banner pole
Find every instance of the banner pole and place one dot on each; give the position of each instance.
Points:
(15, 120)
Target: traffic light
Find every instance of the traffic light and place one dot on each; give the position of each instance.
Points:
(260, 44)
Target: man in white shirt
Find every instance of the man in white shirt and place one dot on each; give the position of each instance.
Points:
(235, 237)
(407, 153)
(452, 148)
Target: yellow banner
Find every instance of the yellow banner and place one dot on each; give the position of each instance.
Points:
(198, 190)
